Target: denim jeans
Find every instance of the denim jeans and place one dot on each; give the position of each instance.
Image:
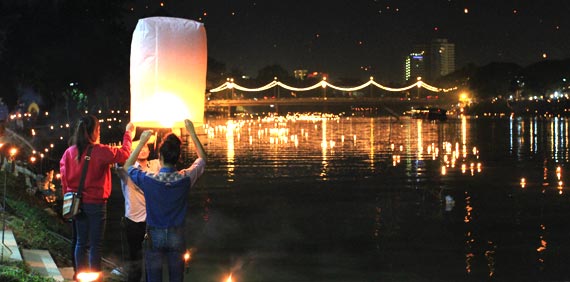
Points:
(164, 244)
(134, 232)
(90, 226)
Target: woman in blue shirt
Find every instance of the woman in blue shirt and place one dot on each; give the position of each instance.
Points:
(166, 198)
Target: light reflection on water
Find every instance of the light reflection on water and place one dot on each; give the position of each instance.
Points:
(374, 198)
(321, 144)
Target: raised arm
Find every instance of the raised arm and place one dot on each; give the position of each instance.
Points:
(197, 144)
(145, 136)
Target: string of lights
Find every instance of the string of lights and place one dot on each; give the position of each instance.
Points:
(419, 84)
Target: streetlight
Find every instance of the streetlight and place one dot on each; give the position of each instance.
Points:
(419, 83)
(13, 152)
(3, 211)
(324, 86)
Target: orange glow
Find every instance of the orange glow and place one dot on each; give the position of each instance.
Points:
(229, 278)
(542, 246)
(88, 276)
(187, 256)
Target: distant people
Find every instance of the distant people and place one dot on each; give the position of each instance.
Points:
(166, 195)
(134, 221)
(89, 224)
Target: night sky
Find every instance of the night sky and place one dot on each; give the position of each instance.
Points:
(360, 38)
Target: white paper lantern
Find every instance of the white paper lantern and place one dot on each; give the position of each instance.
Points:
(168, 72)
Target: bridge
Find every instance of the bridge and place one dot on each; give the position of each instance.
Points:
(316, 101)
(298, 98)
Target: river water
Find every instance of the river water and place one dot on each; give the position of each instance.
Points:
(312, 198)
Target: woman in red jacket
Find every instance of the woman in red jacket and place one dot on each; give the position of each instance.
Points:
(90, 222)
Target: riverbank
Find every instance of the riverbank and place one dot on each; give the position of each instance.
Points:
(36, 225)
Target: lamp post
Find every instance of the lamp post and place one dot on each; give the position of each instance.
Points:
(3, 210)
(419, 84)
(324, 86)
(13, 152)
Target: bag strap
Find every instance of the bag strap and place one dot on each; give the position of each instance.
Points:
(84, 171)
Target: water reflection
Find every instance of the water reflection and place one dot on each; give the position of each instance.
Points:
(396, 190)
(374, 140)
(543, 136)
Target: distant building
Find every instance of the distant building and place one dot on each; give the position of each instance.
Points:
(414, 66)
(442, 58)
(430, 61)
(300, 74)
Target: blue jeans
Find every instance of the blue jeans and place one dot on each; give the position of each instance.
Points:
(166, 244)
(90, 225)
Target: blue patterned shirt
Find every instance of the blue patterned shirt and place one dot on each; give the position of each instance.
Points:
(166, 193)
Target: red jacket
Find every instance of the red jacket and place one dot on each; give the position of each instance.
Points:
(97, 188)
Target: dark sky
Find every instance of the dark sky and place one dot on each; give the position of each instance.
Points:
(342, 37)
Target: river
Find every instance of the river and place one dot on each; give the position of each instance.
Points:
(336, 198)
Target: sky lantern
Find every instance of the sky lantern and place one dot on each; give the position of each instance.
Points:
(168, 72)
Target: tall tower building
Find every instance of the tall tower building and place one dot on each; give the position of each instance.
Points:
(414, 66)
(441, 57)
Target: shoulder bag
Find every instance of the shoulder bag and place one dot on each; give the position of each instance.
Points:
(72, 200)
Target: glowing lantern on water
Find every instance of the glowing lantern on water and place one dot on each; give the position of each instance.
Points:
(168, 72)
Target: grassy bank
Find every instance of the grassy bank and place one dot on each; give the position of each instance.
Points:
(35, 226)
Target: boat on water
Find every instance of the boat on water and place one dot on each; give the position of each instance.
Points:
(428, 113)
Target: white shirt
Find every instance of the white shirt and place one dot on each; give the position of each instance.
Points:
(135, 206)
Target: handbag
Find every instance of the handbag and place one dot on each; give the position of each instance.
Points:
(72, 200)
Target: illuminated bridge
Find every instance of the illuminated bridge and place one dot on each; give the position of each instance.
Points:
(298, 96)
(314, 101)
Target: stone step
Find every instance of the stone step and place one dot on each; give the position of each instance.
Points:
(9, 249)
(41, 262)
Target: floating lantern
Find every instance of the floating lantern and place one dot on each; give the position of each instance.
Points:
(168, 72)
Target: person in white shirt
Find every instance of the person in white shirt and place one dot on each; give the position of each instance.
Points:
(134, 221)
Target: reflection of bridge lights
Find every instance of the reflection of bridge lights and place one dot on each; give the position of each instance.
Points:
(395, 160)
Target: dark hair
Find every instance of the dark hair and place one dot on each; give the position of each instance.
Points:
(85, 132)
(169, 149)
